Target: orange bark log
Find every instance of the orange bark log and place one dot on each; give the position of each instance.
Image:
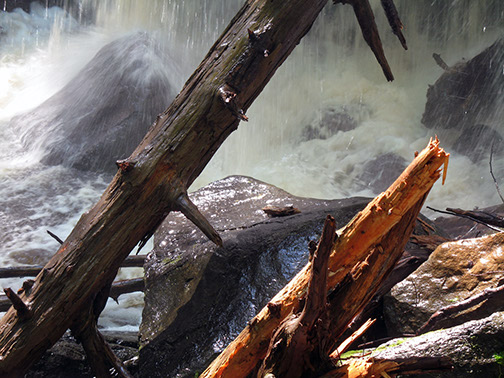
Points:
(354, 244)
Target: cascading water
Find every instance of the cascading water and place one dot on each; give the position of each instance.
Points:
(331, 78)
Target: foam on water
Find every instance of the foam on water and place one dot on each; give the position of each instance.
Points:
(331, 68)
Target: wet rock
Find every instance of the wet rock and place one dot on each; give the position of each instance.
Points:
(475, 348)
(329, 121)
(469, 93)
(199, 297)
(379, 173)
(103, 113)
(453, 272)
(477, 141)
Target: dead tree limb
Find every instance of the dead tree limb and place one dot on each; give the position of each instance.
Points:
(154, 180)
(394, 20)
(365, 17)
(335, 355)
(371, 367)
(482, 217)
(492, 174)
(118, 288)
(104, 363)
(356, 241)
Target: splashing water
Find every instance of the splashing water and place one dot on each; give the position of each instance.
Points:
(331, 75)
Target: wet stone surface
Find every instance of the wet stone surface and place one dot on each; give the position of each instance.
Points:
(454, 271)
(102, 114)
(198, 296)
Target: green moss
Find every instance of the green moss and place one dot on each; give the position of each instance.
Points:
(499, 358)
(396, 343)
(352, 353)
(171, 260)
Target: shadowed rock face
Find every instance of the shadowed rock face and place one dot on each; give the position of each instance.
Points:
(469, 92)
(199, 297)
(378, 174)
(467, 102)
(105, 111)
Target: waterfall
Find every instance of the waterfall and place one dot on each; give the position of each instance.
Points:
(320, 128)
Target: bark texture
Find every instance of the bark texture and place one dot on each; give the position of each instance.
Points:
(153, 181)
(360, 244)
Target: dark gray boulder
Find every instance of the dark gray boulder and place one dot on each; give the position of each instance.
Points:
(199, 297)
(468, 93)
(104, 112)
(477, 141)
(330, 120)
(466, 104)
(379, 173)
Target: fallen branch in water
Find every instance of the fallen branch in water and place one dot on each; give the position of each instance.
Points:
(34, 270)
(118, 288)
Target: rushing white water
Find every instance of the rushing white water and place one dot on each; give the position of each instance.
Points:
(332, 68)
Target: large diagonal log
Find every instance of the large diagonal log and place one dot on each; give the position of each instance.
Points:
(357, 240)
(153, 181)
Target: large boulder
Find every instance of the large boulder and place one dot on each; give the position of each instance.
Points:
(468, 99)
(330, 120)
(199, 297)
(454, 271)
(104, 112)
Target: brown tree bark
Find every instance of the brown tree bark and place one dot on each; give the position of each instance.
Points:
(153, 181)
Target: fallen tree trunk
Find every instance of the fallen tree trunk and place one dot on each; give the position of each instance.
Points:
(362, 237)
(153, 181)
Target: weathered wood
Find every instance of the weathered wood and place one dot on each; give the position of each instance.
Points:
(178, 146)
(482, 217)
(365, 17)
(353, 293)
(335, 355)
(394, 20)
(356, 242)
(118, 288)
